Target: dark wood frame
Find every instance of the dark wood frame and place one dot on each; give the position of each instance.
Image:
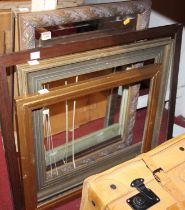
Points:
(6, 111)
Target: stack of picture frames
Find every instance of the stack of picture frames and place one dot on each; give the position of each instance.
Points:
(76, 107)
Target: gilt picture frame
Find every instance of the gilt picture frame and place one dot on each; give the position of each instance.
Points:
(25, 107)
(165, 50)
(164, 57)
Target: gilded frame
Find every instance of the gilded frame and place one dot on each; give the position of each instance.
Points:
(25, 107)
(139, 9)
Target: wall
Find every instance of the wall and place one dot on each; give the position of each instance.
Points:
(157, 19)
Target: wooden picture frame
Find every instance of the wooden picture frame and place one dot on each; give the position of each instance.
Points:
(174, 32)
(25, 107)
(27, 22)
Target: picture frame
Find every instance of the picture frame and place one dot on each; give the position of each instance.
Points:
(106, 16)
(27, 22)
(31, 78)
(25, 107)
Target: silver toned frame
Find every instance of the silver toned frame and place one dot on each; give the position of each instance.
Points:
(31, 78)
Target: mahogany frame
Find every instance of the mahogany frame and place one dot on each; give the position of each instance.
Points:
(6, 111)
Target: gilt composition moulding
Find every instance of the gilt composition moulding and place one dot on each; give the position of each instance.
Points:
(101, 19)
(61, 164)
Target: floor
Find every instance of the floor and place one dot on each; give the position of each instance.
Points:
(5, 195)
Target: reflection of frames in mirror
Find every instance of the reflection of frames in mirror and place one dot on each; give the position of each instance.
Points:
(82, 30)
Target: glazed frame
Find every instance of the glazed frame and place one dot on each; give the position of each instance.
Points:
(26, 106)
(29, 21)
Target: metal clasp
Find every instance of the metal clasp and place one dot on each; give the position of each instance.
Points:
(140, 186)
(144, 199)
(158, 170)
